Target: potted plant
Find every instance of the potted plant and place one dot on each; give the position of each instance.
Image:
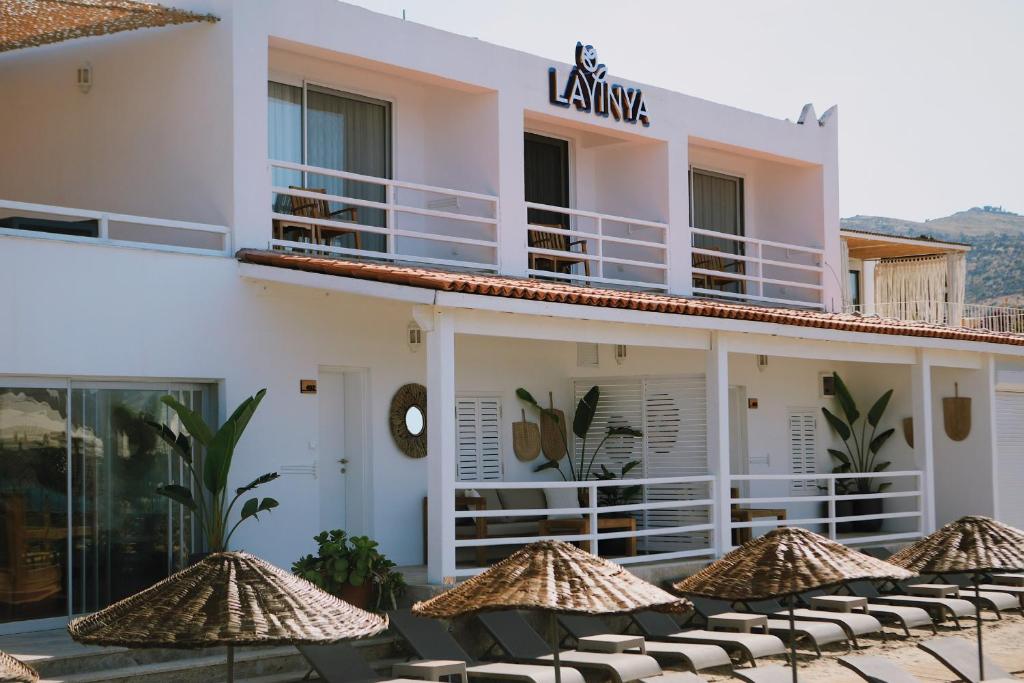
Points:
(860, 456)
(582, 468)
(209, 474)
(351, 568)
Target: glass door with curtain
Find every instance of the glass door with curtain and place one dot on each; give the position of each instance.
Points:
(338, 131)
(716, 203)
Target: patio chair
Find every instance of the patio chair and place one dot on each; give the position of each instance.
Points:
(430, 640)
(514, 635)
(340, 663)
(991, 595)
(878, 669)
(816, 633)
(317, 208)
(773, 673)
(939, 608)
(854, 624)
(984, 600)
(554, 241)
(903, 617)
(961, 657)
(656, 626)
(692, 655)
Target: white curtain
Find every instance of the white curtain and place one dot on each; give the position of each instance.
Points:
(284, 129)
(844, 279)
(956, 281)
(912, 288)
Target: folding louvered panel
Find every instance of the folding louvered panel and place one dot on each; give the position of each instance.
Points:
(675, 445)
(803, 449)
(478, 438)
(620, 405)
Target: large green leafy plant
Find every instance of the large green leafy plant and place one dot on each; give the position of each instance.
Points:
(343, 560)
(209, 478)
(581, 467)
(861, 446)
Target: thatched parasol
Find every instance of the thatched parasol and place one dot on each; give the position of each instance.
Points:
(227, 599)
(28, 23)
(782, 563)
(553, 577)
(972, 545)
(13, 671)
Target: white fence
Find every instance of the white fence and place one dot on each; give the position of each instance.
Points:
(593, 524)
(751, 269)
(381, 218)
(973, 316)
(23, 219)
(598, 248)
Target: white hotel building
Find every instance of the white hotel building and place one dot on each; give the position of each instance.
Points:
(334, 204)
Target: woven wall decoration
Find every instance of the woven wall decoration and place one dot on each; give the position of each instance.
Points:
(409, 397)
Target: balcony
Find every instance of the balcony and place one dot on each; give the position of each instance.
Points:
(971, 316)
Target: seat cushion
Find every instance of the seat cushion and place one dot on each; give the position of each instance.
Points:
(562, 498)
(522, 499)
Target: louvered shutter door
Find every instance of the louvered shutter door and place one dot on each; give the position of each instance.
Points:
(1010, 450)
(620, 405)
(803, 448)
(675, 445)
(478, 437)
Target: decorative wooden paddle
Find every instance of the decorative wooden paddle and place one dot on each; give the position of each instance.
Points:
(525, 439)
(552, 431)
(956, 415)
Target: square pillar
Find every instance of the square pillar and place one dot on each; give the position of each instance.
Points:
(924, 456)
(717, 388)
(440, 344)
(680, 260)
(511, 187)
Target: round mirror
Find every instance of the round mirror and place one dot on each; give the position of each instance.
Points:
(414, 420)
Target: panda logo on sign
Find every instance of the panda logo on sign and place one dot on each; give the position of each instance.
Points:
(587, 89)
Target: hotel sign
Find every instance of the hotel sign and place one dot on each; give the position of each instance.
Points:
(588, 89)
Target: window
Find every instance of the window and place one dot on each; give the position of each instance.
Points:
(716, 203)
(855, 293)
(478, 438)
(803, 449)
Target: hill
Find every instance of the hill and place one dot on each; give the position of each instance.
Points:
(995, 265)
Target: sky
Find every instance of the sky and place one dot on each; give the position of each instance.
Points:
(930, 92)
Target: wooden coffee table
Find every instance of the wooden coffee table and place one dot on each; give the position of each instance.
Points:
(581, 525)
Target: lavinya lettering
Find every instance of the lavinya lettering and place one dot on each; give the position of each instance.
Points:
(588, 89)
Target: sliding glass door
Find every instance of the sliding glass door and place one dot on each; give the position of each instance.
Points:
(81, 524)
(716, 203)
(339, 131)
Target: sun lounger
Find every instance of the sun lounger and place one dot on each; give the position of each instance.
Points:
(773, 673)
(520, 642)
(989, 595)
(903, 617)
(340, 663)
(940, 608)
(853, 624)
(878, 669)
(692, 655)
(748, 646)
(430, 640)
(961, 657)
(817, 633)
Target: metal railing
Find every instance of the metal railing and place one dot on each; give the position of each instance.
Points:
(973, 316)
(599, 249)
(656, 533)
(751, 269)
(414, 223)
(44, 221)
(824, 494)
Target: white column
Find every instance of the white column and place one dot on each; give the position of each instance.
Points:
(986, 410)
(440, 345)
(680, 260)
(511, 187)
(921, 391)
(718, 438)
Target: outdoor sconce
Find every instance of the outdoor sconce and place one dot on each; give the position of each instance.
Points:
(84, 77)
(762, 362)
(620, 353)
(414, 337)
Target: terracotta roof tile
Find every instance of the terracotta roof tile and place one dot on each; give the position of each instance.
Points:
(556, 292)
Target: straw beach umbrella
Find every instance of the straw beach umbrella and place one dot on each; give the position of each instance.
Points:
(13, 671)
(553, 577)
(783, 563)
(972, 545)
(228, 599)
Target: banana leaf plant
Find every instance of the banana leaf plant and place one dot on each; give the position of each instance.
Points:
(861, 446)
(582, 468)
(214, 504)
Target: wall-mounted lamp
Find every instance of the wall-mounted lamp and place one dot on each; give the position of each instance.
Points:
(762, 362)
(620, 353)
(84, 77)
(414, 337)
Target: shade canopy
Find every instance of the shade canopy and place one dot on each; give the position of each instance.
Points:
(969, 544)
(28, 23)
(13, 671)
(227, 599)
(551, 576)
(784, 562)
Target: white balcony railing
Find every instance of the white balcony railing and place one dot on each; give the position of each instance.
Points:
(598, 248)
(823, 508)
(381, 218)
(44, 221)
(671, 520)
(973, 316)
(751, 269)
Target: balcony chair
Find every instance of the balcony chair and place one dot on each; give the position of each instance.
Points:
(722, 264)
(553, 241)
(316, 208)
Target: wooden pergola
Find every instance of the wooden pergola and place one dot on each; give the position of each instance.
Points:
(871, 246)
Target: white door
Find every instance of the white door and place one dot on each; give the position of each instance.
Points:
(739, 459)
(332, 457)
(1010, 456)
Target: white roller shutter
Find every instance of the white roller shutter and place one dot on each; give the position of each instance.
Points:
(478, 437)
(1010, 456)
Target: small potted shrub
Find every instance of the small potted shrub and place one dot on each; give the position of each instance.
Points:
(351, 568)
